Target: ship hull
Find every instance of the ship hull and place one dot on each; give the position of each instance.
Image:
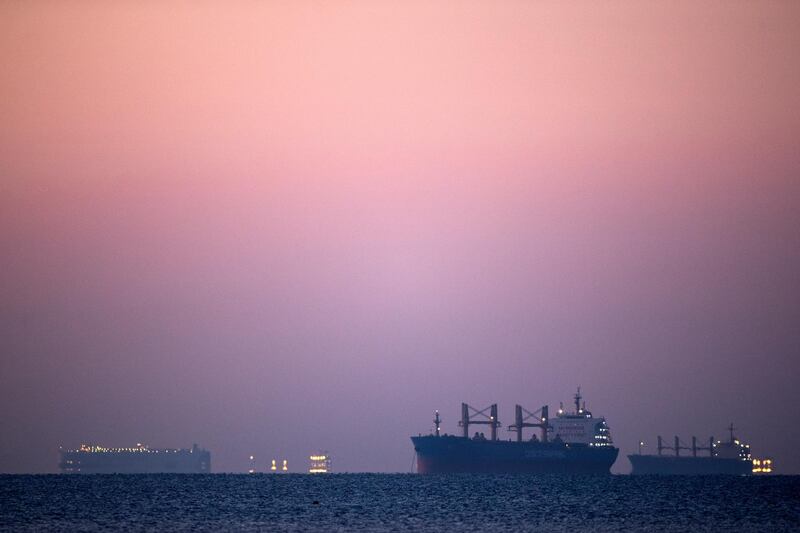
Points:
(450, 454)
(177, 462)
(687, 466)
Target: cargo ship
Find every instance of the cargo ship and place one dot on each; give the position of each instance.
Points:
(141, 459)
(723, 458)
(570, 443)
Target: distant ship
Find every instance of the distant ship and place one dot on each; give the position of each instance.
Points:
(572, 442)
(92, 459)
(732, 458)
(320, 463)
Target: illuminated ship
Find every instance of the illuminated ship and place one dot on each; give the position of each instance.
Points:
(572, 442)
(320, 463)
(92, 459)
(731, 458)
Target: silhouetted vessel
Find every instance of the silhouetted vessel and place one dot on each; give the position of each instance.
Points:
(139, 460)
(724, 458)
(570, 443)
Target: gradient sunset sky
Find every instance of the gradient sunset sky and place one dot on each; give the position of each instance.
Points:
(276, 227)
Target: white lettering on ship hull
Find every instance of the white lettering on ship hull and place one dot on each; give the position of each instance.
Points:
(544, 454)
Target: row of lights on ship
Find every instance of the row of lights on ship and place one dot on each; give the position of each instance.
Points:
(320, 464)
(93, 448)
(602, 437)
(580, 412)
(762, 466)
(140, 448)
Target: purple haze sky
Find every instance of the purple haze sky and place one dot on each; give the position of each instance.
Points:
(276, 227)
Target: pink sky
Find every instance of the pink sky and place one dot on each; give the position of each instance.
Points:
(274, 227)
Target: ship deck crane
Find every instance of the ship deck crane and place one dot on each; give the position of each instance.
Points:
(520, 421)
(468, 413)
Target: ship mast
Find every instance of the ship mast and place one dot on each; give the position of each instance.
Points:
(731, 428)
(578, 401)
(438, 422)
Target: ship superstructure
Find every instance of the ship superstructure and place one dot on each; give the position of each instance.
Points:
(730, 457)
(572, 442)
(580, 426)
(141, 459)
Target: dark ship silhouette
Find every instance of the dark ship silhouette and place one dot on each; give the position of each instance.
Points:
(732, 458)
(572, 442)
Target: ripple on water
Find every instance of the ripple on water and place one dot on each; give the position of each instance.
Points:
(397, 502)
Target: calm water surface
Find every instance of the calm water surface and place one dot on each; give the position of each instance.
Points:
(398, 502)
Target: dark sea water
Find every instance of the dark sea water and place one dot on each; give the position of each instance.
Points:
(398, 502)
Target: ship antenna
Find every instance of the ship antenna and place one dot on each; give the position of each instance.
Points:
(437, 421)
(578, 400)
(731, 428)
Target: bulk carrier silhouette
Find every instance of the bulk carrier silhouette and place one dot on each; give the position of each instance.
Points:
(572, 442)
(732, 457)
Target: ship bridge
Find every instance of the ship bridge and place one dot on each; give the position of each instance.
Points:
(579, 426)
